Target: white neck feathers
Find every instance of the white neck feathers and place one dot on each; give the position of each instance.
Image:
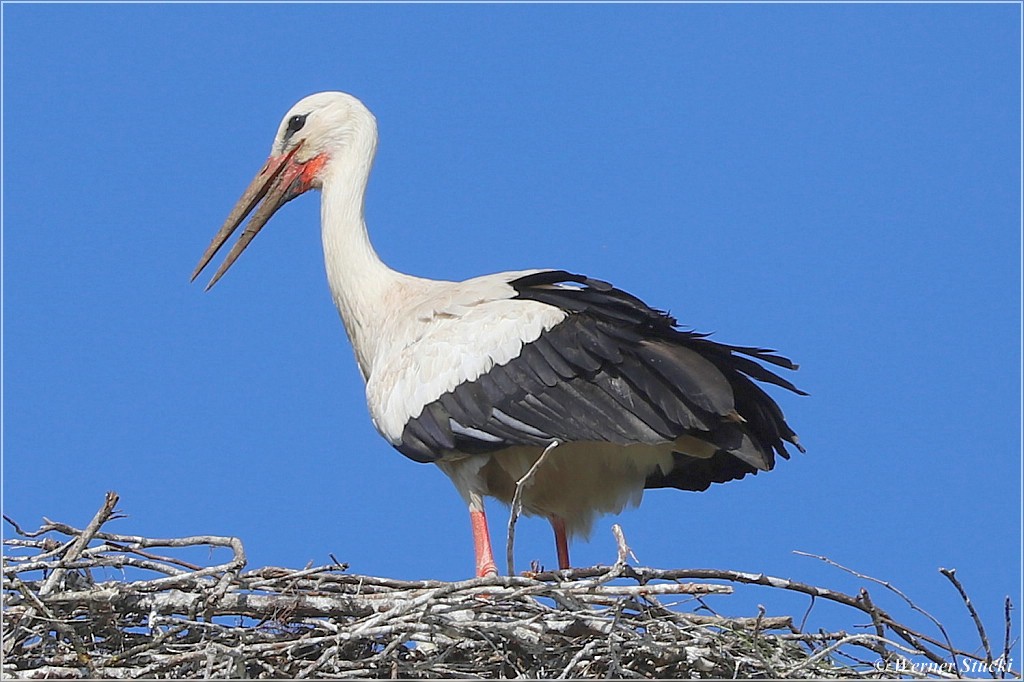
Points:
(360, 282)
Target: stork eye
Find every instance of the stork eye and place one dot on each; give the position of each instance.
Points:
(295, 124)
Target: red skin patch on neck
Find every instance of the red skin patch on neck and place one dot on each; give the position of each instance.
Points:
(312, 168)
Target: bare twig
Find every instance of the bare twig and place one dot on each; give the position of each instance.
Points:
(79, 545)
(1007, 609)
(516, 507)
(950, 573)
(904, 632)
(624, 552)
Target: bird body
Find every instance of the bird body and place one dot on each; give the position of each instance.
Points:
(481, 377)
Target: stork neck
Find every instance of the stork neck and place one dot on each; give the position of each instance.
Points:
(359, 280)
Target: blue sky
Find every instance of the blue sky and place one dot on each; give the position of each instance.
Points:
(840, 182)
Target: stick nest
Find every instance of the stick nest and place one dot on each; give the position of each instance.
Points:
(166, 617)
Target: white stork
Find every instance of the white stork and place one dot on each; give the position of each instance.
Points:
(480, 377)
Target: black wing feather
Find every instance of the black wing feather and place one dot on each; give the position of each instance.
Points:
(540, 365)
(616, 370)
(553, 358)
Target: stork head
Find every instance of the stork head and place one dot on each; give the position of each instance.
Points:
(315, 130)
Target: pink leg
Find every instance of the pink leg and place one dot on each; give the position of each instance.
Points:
(561, 542)
(485, 565)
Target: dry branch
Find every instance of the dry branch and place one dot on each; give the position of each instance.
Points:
(162, 616)
(516, 507)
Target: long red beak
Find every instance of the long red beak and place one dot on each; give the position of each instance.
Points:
(281, 180)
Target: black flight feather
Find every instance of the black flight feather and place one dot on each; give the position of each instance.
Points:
(616, 370)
